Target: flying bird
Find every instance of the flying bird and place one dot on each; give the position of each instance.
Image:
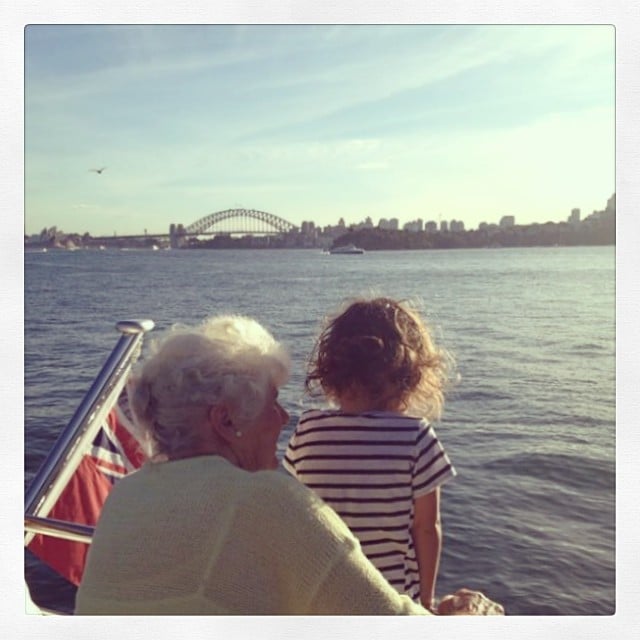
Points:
(98, 170)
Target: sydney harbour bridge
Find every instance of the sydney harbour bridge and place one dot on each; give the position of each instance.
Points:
(232, 222)
(227, 223)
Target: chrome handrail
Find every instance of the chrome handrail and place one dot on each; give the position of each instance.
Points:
(66, 452)
(59, 528)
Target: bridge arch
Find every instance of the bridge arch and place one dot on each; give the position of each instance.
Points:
(270, 221)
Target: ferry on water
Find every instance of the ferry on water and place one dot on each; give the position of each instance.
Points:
(347, 249)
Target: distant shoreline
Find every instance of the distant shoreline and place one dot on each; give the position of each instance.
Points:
(591, 232)
(30, 248)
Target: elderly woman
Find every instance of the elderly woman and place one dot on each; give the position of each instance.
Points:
(208, 526)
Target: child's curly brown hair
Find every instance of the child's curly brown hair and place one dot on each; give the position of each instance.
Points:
(382, 349)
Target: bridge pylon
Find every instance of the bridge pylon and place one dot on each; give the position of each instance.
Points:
(177, 236)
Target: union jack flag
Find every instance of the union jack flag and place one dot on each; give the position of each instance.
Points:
(115, 451)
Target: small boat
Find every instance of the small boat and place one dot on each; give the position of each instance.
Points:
(347, 249)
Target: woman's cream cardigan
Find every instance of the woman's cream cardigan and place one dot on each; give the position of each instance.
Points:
(200, 536)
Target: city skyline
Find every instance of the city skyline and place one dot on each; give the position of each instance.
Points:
(308, 122)
(575, 215)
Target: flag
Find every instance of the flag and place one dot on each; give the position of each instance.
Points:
(115, 451)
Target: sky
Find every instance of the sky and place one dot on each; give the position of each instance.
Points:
(315, 122)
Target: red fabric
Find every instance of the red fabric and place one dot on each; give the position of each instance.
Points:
(129, 445)
(80, 502)
(82, 499)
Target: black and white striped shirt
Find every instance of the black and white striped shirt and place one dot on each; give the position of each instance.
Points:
(370, 468)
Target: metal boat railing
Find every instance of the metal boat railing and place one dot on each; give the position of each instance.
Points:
(67, 452)
(59, 528)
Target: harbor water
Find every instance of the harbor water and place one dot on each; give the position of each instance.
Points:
(530, 424)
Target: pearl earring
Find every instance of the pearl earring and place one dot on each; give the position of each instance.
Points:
(238, 434)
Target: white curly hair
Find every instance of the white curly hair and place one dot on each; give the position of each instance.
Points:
(229, 359)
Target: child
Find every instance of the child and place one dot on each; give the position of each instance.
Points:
(376, 459)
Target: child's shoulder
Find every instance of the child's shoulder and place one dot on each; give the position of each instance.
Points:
(332, 417)
(317, 414)
(315, 419)
(370, 418)
(398, 418)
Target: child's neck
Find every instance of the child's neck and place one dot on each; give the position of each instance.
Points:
(352, 403)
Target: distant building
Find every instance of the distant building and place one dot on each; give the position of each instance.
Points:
(444, 225)
(367, 224)
(308, 227)
(507, 221)
(456, 225)
(431, 227)
(574, 218)
(391, 224)
(414, 226)
(611, 204)
(606, 215)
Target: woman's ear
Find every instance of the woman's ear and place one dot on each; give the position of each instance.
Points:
(221, 422)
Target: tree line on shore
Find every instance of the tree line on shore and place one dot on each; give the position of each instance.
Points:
(549, 234)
